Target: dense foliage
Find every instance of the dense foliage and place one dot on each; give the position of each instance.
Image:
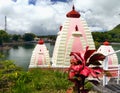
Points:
(12, 38)
(14, 80)
(28, 36)
(16, 37)
(4, 37)
(112, 35)
(51, 37)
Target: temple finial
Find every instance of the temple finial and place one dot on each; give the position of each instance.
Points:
(73, 13)
(73, 7)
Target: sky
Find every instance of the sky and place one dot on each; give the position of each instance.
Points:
(44, 17)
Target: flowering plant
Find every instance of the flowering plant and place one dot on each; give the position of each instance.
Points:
(84, 65)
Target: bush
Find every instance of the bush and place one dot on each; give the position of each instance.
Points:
(14, 79)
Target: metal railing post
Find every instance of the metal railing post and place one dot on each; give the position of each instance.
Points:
(105, 67)
(118, 74)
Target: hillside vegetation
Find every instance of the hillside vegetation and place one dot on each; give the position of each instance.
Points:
(112, 35)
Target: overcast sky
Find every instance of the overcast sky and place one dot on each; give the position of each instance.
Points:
(44, 17)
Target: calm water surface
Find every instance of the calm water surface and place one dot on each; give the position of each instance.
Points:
(21, 54)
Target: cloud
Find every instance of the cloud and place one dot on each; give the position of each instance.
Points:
(44, 17)
(107, 11)
(103, 14)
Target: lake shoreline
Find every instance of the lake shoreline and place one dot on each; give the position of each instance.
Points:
(7, 46)
(115, 43)
(30, 42)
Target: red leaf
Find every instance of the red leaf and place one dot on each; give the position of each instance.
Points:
(98, 70)
(93, 74)
(88, 53)
(71, 74)
(96, 57)
(85, 72)
(77, 68)
(95, 63)
(77, 56)
(95, 71)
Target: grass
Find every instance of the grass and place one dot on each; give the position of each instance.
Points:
(49, 81)
(14, 80)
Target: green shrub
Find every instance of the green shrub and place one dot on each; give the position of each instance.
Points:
(14, 80)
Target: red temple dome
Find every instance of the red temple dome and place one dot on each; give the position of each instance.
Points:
(40, 42)
(106, 43)
(73, 13)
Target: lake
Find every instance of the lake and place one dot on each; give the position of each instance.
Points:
(21, 54)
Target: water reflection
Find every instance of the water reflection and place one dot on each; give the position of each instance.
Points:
(28, 46)
(5, 52)
(21, 54)
(15, 47)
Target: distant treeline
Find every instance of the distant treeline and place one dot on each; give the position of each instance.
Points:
(12, 38)
(103, 36)
(111, 36)
(51, 37)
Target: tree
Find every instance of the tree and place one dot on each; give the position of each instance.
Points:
(28, 36)
(4, 37)
(16, 37)
(1, 42)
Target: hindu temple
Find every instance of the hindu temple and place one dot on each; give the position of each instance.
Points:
(40, 55)
(74, 36)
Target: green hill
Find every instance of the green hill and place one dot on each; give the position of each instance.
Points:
(115, 33)
(111, 35)
(116, 29)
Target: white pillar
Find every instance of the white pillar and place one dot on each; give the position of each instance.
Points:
(105, 67)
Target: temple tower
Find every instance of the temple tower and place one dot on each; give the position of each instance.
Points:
(107, 49)
(40, 56)
(74, 36)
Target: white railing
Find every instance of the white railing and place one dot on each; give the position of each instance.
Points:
(118, 78)
(105, 67)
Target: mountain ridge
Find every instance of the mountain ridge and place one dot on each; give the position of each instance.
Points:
(112, 35)
(116, 28)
